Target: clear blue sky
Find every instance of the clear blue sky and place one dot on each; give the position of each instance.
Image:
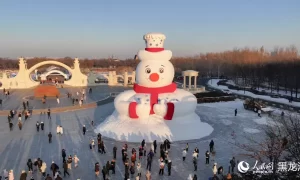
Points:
(98, 28)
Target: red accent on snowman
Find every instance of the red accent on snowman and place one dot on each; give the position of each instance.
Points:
(154, 49)
(154, 77)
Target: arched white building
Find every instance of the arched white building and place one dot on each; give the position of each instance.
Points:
(23, 80)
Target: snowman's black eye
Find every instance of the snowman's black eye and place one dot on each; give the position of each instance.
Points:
(161, 70)
(148, 70)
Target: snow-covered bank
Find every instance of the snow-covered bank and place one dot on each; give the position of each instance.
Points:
(154, 128)
(213, 83)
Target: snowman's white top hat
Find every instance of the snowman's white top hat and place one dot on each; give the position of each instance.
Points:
(154, 42)
(154, 48)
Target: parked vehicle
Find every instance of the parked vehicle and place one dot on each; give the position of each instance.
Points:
(101, 81)
(275, 95)
(226, 91)
(180, 78)
(254, 105)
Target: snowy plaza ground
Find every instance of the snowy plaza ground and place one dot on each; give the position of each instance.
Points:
(17, 146)
(16, 97)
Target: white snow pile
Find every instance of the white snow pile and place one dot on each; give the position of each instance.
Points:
(251, 130)
(264, 121)
(154, 128)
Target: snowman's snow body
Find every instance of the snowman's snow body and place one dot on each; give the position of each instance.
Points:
(154, 76)
(155, 98)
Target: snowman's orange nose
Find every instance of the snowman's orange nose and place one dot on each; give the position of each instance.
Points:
(154, 77)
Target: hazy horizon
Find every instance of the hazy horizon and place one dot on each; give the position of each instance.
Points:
(100, 29)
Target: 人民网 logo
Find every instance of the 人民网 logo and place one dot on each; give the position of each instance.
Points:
(243, 167)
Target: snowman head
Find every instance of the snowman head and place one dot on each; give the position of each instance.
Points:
(155, 68)
(154, 73)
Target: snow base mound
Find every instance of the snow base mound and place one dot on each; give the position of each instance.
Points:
(153, 128)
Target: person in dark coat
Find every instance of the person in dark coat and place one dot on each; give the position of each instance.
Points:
(115, 152)
(220, 170)
(149, 162)
(104, 172)
(54, 168)
(107, 167)
(168, 144)
(235, 112)
(99, 146)
(23, 175)
(195, 177)
(48, 177)
(49, 114)
(40, 163)
(197, 151)
(206, 157)
(83, 129)
(99, 137)
(169, 167)
(102, 147)
(165, 145)
(126, 176)
(63, 154)
(125, 157)
(161, 146)
(29, 165)
(123, 152)
(11, 113)
(11, 126)
(195, 163)
(132, 169)
(9, 118)
(140, 153)
(50, 137)
(211, 146)
(232, 164)
(162, 154)
(42, 126)
(126, 167)
(143, 143)
(65, 166)
(154, 145)
(58, 177)
(37, 126)
(113, 166)
(24, 105)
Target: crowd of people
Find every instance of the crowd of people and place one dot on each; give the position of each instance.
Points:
(132, 161)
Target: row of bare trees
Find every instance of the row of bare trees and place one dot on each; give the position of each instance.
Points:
(278, 152)
(257, 67)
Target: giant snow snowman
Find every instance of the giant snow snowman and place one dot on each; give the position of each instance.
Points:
(155, 109)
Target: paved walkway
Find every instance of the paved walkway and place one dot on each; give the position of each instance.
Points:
(17, 146)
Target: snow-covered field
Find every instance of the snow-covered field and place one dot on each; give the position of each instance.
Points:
(281, 89)
(213, 83)
(212, 114)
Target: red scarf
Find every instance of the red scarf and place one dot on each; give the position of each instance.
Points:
(154, 92)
